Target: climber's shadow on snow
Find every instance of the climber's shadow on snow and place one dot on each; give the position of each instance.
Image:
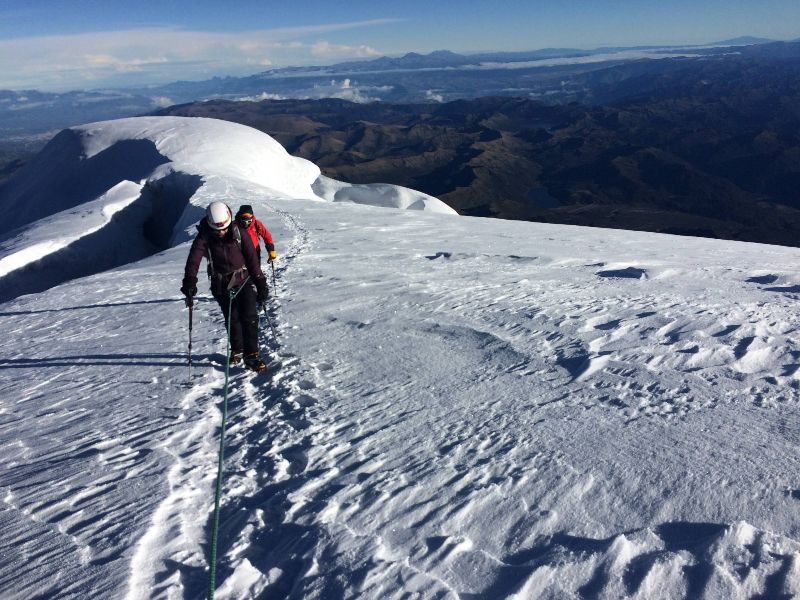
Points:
(128, 360)
(21, 313)
(276, 547)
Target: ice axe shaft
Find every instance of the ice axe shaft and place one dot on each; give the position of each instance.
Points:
(190, 305)
(271, 326)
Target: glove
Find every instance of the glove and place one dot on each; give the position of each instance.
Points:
(189, 287)
(272, 255)
(262, 293)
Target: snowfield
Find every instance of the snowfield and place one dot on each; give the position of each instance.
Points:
(464, 407)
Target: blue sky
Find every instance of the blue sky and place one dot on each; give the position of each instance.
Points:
(48, 44)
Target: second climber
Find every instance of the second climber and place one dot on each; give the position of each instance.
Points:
(256, 229)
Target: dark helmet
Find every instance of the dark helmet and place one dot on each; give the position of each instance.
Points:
(245, 212)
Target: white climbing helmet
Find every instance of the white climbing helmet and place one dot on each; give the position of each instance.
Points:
(218, 215)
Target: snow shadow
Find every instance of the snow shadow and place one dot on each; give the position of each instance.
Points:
(763, 279)
(790, 289)
(726, 331)
(19, 313)
(130, 360)
(169, 199)
(626, 273)
(63, 178)
(575, 365)
(518, 258)
(141, 229)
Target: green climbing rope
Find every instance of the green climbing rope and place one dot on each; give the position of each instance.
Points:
(212, 563)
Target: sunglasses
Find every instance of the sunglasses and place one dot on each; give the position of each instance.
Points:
(246, 221)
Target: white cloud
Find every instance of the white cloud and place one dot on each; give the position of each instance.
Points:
(260, 97)
(347, 90)
(161, 101)
(162, 54)
(431, 95)
(328, 50)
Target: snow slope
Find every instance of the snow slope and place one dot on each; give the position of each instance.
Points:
(466, 408)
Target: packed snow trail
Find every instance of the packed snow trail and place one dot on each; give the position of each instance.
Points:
(252, 430)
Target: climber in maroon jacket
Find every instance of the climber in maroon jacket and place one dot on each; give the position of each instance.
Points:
(233, 267)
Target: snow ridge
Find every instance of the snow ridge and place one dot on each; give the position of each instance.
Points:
(159, 170)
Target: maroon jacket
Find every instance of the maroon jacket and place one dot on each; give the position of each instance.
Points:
(225, 255)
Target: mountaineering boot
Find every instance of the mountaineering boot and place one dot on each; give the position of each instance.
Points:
(253, 362)
(235, 358)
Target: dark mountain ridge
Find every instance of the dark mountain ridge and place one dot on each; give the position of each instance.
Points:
(705, 146)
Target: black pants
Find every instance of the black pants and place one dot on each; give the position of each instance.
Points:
(243, 319)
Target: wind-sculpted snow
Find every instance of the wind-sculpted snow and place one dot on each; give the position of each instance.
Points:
(464, 408)
(382, 194)
(84, 162)
(177, 163)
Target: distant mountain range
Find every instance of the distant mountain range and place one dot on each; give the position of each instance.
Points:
(546, 74)
(444, 58)
(689, 146)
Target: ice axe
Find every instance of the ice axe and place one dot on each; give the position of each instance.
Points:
(271, 326)
(190, 306)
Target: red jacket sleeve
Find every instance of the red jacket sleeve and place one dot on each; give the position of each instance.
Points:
(265, 235)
